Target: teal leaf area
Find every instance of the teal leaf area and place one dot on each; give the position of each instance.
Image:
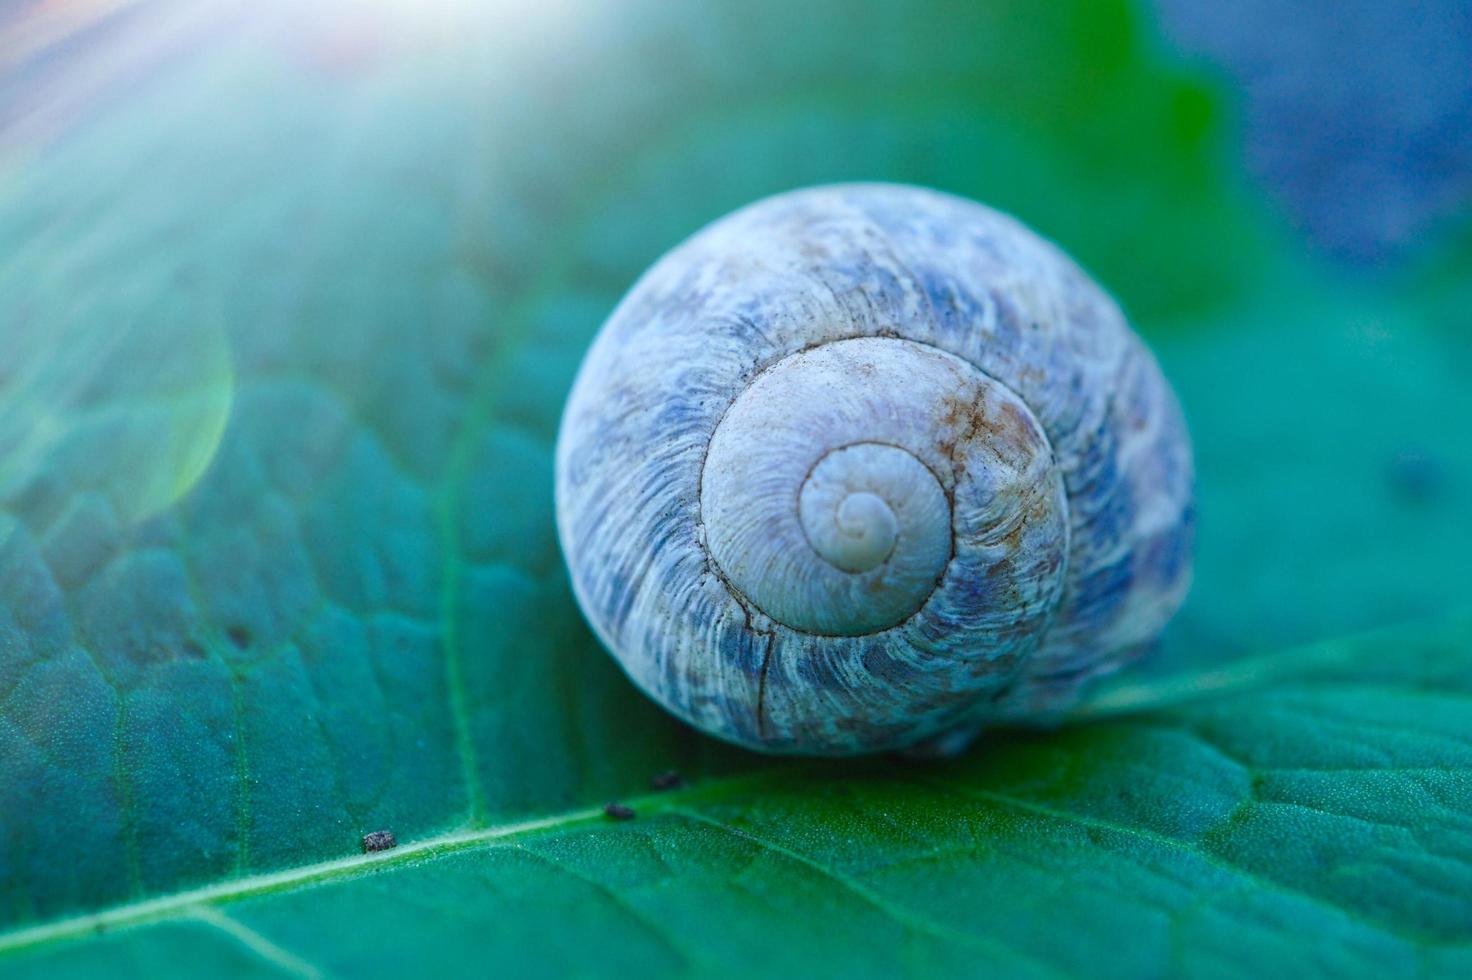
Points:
(290, 299)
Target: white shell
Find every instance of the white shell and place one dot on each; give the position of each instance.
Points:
(864, 467)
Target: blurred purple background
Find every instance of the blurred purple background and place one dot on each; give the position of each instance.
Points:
(1356, 114)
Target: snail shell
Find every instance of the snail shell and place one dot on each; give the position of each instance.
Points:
(869, 467)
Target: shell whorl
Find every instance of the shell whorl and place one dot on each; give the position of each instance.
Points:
(859, 466)
(850, 485)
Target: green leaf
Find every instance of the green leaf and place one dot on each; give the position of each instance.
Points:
(1190, 841)
(1304, 407)
(285, 329)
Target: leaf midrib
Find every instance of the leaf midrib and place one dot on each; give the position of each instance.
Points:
(167, 906)
(358, 865)
(1171, 693)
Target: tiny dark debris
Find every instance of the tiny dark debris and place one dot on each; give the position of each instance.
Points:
(669, 779)
(619, 811)
(379, 840)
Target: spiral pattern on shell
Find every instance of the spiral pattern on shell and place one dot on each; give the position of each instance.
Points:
(867, 467)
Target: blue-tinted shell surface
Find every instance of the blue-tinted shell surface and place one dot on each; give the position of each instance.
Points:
(870, 467)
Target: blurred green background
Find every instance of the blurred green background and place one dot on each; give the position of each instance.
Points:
(290, 296)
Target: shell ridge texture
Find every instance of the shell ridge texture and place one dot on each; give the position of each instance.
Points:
(867, 467)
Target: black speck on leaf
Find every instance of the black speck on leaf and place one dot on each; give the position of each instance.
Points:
(669, 779)
(379, 840)
(619, 811)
